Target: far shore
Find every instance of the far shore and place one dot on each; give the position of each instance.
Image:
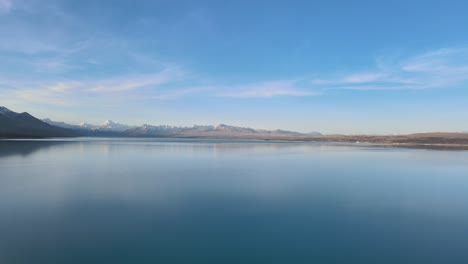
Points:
(436, 141)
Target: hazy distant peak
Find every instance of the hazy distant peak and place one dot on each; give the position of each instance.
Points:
(59, 124)
(235, 129)
(109, 125)
(314, 133)
(221, 130)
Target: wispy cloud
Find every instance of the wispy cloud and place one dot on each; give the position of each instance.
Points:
(363, 78)
(168, 84)
(177, 93)
(443, 68)
(58, 94)
(126, 84)
(72, 92)
(435, 69)
(266, 89)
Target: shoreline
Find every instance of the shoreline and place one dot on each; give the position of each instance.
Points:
(376, 141)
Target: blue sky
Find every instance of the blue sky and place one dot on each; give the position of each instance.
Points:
(330, 66)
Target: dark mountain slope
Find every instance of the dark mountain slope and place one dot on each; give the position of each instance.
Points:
(24, 125)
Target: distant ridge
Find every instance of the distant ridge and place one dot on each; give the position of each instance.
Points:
(109, 125)
(202, 131)
(23, 125)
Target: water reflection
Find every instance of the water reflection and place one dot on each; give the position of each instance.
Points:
(25, 148)
(167, 201)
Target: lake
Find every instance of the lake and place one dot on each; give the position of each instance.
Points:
(211, 201)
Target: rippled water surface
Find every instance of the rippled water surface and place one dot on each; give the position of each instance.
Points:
(193, 201)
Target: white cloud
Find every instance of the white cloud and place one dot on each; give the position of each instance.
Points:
(177, 93)
(127, 84)
(363, 78)
(167, 84)
(72, 92)
(443, 68)
(266, 90)
(435, 69)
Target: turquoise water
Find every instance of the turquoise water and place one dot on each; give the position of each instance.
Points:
(194, 201)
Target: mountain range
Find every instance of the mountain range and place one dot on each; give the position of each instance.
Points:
(219, 131)
(107, 125)
(24, 125)
(146, 130)
(16, 125)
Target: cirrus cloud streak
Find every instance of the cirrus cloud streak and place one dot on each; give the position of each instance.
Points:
(442, 68)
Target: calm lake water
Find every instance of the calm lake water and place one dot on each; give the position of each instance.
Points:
(189, 201)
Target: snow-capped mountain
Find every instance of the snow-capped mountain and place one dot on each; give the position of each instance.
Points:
(234, 129)
(81, 126)
(106, 126)
(59, 124)
(109, 125)
(110, 128)
(166, 131)
(87, 126)
(219, 131)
